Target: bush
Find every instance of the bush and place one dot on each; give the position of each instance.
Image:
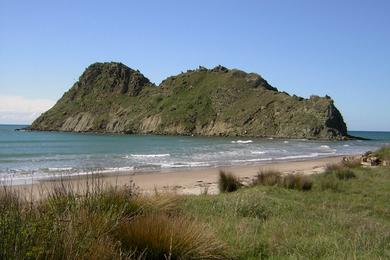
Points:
(228, 182)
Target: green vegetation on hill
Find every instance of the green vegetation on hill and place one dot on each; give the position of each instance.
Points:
(345, 214)
(112, 98)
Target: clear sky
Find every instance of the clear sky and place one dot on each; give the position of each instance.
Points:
(339, 48)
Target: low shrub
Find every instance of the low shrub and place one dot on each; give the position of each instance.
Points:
(228, 182)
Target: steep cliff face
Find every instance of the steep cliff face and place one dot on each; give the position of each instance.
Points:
(112, 98)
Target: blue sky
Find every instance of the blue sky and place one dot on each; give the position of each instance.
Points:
(339, 48)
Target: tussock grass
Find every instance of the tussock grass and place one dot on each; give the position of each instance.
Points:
(93, 224)
(352, 163)
(333, 176)
(267, 177)
(328, 182)
(345, 174)
(341, 171)
(227, 182)
(297, 182)
(170, 237)
(289, 181)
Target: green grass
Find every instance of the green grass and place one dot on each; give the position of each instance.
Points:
(347, 222)
(102, 223)
(338, 218)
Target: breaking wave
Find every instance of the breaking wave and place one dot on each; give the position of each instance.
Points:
(242, 142)
(149, 155)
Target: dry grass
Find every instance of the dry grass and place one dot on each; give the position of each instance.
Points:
(227, 182)
(159, 236)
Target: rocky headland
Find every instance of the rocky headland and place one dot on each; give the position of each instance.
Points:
(113, 98)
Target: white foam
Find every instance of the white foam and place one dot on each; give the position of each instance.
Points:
(258, 152)
(298, 156)
(252, 160)
(324, 147)
(184, 165)
(55, 169)
(302, 156)
(286, 142)
(242, 142)
(116, 169)
(346, 145)
(150, 155)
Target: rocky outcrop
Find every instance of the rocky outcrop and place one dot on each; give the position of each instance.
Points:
(112, 98)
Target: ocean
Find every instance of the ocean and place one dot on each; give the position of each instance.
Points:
(27, 156)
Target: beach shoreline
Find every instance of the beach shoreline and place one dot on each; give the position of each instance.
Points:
(181, 181)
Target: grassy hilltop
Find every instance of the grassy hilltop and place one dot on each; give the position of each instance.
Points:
(112, 98)
(343, 213)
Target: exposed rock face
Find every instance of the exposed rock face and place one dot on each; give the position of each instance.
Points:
(112, 98)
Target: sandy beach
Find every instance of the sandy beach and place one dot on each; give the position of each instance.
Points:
(184, 181)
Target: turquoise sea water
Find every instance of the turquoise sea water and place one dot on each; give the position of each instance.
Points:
(24, 155)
